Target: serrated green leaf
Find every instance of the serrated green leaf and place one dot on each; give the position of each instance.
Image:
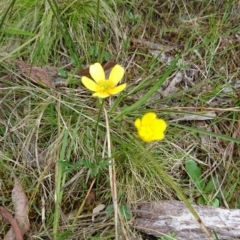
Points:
(125, 211)
(104, 163)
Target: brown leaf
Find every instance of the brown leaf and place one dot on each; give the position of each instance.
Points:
(35, 74)
(20, 203)
(90, 199)
(15, 229)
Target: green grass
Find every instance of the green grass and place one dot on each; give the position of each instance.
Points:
(48, 137)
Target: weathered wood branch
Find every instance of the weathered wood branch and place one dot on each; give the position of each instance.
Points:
(159, 219)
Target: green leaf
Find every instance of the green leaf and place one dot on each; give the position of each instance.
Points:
(106, 56)
(94, 171)
(125, 211)
(201, 201)
(195, 173)
(109, 210)
(215, 202)
(62, 72)
(104, 163)
(69, 167)
(211, 186)
(94, 51)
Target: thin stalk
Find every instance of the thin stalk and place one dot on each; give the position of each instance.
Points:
(112, 176)
(96, 130)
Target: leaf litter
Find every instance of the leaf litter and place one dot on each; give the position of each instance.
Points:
(20, 224)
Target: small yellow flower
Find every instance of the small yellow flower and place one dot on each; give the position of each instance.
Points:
(101, 86)
(150, 128)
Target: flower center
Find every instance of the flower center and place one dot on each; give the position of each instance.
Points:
(104, 86)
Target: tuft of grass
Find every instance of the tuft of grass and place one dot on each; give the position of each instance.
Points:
(63, 33)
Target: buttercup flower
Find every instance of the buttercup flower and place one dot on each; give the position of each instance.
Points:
(101, 86)
(150, 128)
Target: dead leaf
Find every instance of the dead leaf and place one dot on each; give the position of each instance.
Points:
(14, 224)
(195, 116)
(172, 86)
(36, 74)
(90, 199)
(97, 209)
(20, 204)
(161, 56)
(151, 45)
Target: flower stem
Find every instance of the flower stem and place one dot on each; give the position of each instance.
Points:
(112, 176)
(96, 130)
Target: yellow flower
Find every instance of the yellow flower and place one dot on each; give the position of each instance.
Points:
(101, 86)
(150, 128)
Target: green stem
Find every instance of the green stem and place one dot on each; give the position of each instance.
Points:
(96, 128)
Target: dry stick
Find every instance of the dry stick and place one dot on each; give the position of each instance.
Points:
(112, 175)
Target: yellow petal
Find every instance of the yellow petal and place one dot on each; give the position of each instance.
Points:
(100, 95)
(116, 74)
(97, 72)
(160, 125)
(117, 89)
(89, 84)
(137, 123)
(158, 136)
(148, 118)
(148, 140)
